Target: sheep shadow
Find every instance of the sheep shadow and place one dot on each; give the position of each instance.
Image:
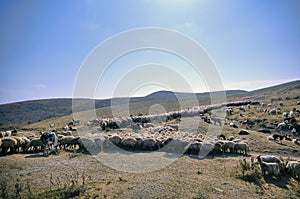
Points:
(281, 182)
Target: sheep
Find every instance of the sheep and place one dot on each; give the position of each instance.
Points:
(128, 143)
(298, 102)
(20, 143)
(229, 111)
(114, 140)
(270, 137)
(228, 145)
(292, 114)
(296, 141)
(233, 125)
(65, 141)
(293, 168)
(8, 133)
(271, 159)
(218, 148)
(272, 112)
(280, 103)
(222, 137)
(193, 148)
(8, 143)
(231, 138)
(36, 143)
(87, 145)
(241, 148)
(149, 144)
(66, 133)
(271, 168)
(242, 108)
(282, 125)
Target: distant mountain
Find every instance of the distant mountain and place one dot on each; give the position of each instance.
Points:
(27, 112)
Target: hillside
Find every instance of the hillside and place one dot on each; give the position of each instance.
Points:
(17, 115)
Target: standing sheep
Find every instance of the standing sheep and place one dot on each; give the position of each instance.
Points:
(8, 143)
(35, 143)
(293, 168)
(241, 148)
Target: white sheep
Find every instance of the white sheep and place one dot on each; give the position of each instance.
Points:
(292, 114)
(296, 141)
(271, 168)
(270, 137)
(228, 145)
(293, 167)
(271, 159)
(241, 148)
(65, 141)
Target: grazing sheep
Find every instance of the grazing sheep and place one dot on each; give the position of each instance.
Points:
(136, 127)
(218, 148)
(149, 144)
(271, 159)
(270, 168)
(87, 145)
(8, 143)
(193, 148)
(65, 141)
(114, 140)
(35, 143)
(228, 146)
(241, 148)
(128, 143)
(20, 143)
(280, 103)
(293, 168)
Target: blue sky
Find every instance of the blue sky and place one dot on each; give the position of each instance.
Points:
(43, 43)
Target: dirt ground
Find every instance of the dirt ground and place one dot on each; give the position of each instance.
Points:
(83, 176)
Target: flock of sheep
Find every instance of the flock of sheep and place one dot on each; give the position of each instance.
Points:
(275, 166)
(141, 133)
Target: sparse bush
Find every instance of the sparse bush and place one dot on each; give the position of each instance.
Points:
(249, 173)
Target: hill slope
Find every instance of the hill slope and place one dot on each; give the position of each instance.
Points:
(28, 112)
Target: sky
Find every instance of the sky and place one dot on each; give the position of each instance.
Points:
(44, 45)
